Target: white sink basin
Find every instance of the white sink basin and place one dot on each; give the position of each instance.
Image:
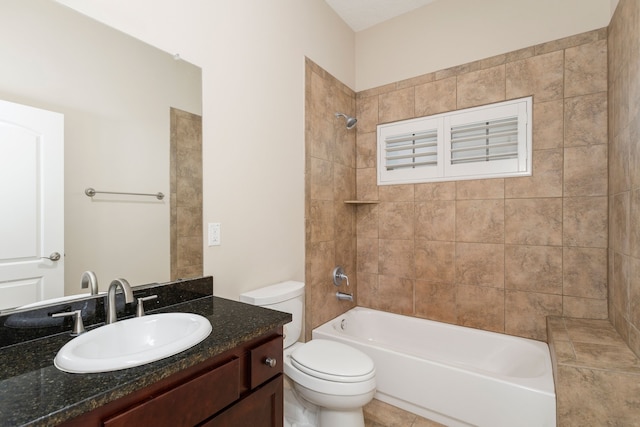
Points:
(132, 342)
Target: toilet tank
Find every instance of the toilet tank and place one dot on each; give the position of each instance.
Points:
(284, 296)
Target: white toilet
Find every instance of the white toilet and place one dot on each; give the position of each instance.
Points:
(331, 381)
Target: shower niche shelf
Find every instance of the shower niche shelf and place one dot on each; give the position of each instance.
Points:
(361, 202)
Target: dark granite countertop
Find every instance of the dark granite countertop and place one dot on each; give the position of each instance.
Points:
(33, 392)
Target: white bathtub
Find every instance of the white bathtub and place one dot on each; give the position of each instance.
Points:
(451, 374)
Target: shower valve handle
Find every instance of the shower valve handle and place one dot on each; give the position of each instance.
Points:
(339, 276)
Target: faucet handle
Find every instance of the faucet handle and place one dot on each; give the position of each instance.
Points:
(338, 276)
(78, 326)
(140, 306)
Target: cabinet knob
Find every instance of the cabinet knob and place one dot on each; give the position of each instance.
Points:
(270, 362)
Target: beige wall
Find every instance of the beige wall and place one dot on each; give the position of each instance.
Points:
(252, 55)
(115, 93)
(446, 33)
(497, 254)
(254, 137)
(614, 5)
(624, 172)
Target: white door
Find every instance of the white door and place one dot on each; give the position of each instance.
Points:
(31, 205)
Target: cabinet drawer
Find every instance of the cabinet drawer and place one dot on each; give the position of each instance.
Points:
(187, 404)
(261, 371)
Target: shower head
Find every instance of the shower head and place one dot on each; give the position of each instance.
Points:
(351, 121)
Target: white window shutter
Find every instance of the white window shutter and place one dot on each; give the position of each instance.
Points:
(410, 151)
(488, 141)
(482, 142)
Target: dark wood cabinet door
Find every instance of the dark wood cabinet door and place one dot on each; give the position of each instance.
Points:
(261, 408)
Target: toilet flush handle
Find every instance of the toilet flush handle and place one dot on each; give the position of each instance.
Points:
(270, 362)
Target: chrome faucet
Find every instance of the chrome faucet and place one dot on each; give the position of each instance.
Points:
(89, 279)
(111, 298)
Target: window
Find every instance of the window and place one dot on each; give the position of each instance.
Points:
(491, 141)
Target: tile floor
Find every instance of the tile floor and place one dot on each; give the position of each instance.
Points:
(380, 414)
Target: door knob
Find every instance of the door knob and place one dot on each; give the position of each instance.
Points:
(55, 256)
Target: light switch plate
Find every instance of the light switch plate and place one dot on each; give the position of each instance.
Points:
(214, 234)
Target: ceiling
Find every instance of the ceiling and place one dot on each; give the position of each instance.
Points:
(362, 14)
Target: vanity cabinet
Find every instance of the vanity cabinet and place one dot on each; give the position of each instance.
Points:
(242, 386)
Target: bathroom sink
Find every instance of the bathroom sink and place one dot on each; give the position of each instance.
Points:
(132, 342)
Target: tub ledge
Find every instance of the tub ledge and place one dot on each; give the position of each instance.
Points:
(592, 365)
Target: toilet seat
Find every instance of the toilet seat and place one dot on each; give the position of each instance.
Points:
(333, 361)
(332, 386)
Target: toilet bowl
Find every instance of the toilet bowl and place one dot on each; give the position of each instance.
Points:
(338, 379)
(331, 381)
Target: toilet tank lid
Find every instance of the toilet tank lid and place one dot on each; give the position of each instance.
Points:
(274, 293)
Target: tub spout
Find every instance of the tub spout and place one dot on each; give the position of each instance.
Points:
(344, 296)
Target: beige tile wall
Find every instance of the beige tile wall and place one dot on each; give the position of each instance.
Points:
(624, 172)
(597, 376)
(499, 254)
(330, 159)
(186, 195)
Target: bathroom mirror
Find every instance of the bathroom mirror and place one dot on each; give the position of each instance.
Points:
(116, 94)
